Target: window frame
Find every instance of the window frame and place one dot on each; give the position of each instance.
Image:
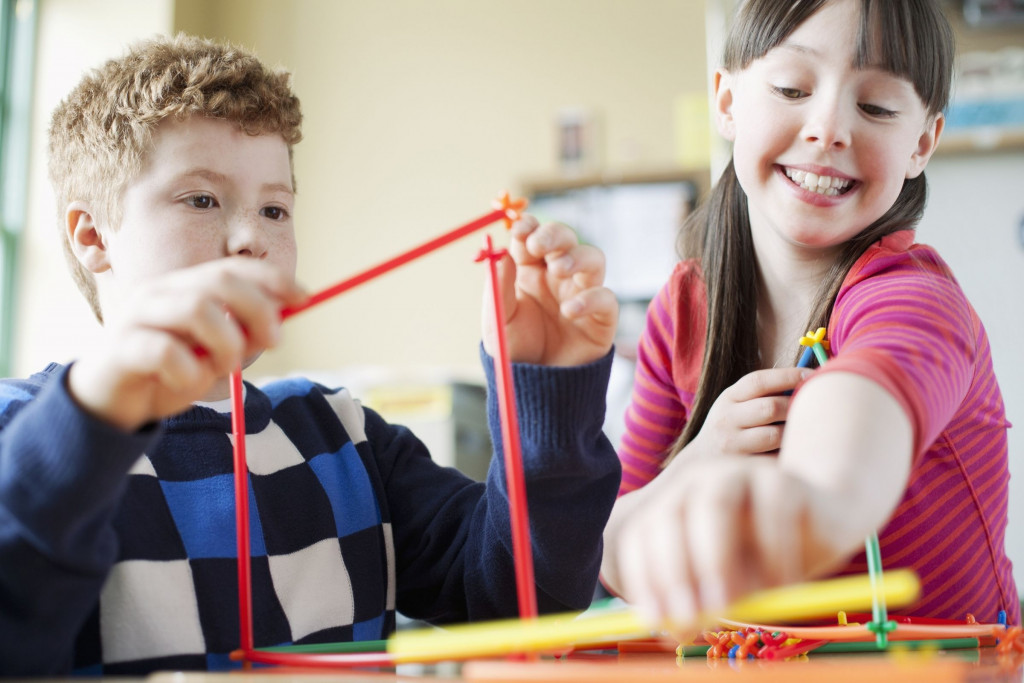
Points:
(17, 57)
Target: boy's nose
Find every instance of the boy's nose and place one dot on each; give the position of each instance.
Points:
(246, 238)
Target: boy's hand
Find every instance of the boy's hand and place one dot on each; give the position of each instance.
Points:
(556, 310)
(178, 335)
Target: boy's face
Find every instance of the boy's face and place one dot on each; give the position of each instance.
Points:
(206, 191)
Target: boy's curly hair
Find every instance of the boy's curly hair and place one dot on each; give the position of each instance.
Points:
(101, 132)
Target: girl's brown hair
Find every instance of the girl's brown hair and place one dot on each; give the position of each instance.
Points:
(911, 39)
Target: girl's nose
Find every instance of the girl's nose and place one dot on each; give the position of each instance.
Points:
(246, 238)
(828, 126)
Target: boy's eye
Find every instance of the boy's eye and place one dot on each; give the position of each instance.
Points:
(875, 110)
(788, 93)
(275, 213)
(201, 201)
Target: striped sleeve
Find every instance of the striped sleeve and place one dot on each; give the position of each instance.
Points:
(904, 322)
(656, 413)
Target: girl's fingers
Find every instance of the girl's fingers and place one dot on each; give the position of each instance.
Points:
(761, 411)
(769, 382)
(756, 440)
(776, 526)
(670, 569)
(713, 538)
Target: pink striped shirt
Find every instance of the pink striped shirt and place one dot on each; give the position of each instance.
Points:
(901, 320)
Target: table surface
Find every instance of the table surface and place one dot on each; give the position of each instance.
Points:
(975, 665)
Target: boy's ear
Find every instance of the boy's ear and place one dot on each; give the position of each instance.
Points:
(85, 237)
(926, 145)
(723, 82)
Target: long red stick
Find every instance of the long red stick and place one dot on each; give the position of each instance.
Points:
(242, 511)
(395, 262)
(522, 551)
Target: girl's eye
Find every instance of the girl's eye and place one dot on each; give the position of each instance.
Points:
(201, 201)
(275, 213)
(875, 110)
(788, 93)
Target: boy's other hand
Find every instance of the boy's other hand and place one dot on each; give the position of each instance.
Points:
(557, 311)
(178, 335)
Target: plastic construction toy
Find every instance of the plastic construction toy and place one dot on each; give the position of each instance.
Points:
(530, 633)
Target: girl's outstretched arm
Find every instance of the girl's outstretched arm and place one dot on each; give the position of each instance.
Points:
(710, 529)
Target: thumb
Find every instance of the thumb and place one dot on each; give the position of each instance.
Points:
(505, 281)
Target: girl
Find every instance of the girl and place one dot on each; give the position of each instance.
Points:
(833, 108)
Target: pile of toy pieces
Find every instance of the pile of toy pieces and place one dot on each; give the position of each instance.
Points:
(852, 633)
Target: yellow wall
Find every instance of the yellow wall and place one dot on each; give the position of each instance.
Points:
(417, 114)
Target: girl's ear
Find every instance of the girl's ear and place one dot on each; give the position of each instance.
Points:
(723, 82)
(85, 237)
(926, 145)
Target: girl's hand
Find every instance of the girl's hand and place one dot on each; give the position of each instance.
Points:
(710, 532)
(748, 417)
(177, 336)
(557, 311)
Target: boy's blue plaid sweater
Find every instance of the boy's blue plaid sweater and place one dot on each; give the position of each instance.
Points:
(117, 551)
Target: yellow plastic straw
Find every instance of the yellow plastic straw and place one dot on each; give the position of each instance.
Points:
(561, 631)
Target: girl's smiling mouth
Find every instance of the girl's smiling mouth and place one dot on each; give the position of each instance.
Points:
(830, 186)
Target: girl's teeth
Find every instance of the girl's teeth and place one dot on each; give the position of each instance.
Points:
(826, 185)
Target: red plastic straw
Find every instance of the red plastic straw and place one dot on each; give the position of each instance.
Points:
(522, 553)
(242, 511)
(248, 654)
(395, 262)
(320, 659)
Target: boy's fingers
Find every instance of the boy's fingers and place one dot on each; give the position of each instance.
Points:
(597, 303)
(197, 321)
(547, 241)
(522, 228)
(506, 279)
(584, 263)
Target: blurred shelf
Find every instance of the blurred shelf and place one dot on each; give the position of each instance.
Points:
(532, 186)
(981, 141)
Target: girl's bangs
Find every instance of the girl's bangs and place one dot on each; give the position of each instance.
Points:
(910, 39)
(900, 38)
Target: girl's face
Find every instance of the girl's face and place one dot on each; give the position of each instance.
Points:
(821, 148)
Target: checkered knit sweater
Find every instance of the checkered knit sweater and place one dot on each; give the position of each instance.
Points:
(117, 551)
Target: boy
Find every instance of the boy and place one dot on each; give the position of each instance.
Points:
(116, 506)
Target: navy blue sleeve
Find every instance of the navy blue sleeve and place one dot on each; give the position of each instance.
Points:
(452, 535)
(61, 476)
